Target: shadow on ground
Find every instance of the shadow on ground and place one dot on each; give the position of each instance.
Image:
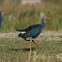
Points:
(24, 49)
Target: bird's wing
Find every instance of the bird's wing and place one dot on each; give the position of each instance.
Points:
(25, 30)
(30, 28)
(35, 30)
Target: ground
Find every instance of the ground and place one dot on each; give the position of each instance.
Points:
(15, 49)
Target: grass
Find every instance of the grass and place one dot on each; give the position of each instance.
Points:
(17, 50)
(21, 16)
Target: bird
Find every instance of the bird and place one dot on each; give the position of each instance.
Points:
(2, 17)
(33, 31)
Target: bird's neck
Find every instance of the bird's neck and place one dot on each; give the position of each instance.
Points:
(2, 14)
(44, 22)
(2, 18)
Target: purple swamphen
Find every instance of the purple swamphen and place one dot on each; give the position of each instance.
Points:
(2, 17)
(33, 31)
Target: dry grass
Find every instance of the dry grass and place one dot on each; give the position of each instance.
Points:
(44, 58)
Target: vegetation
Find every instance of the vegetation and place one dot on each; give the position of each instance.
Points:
(14, 49)
(21, 16)
(17, 50)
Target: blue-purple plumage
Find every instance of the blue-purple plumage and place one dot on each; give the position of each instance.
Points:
(31, 31)
(2, 17)
(34, 30)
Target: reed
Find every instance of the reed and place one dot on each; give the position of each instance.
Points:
(21, 16)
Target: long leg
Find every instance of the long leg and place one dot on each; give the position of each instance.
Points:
(30, 45)
(35, 43)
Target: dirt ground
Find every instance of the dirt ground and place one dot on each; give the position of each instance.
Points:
(44, 35)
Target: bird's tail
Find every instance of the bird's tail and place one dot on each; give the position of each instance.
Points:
(20, 35)
(22, 31)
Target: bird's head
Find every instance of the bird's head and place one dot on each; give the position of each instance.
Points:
(46, 18)
(3, 12)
